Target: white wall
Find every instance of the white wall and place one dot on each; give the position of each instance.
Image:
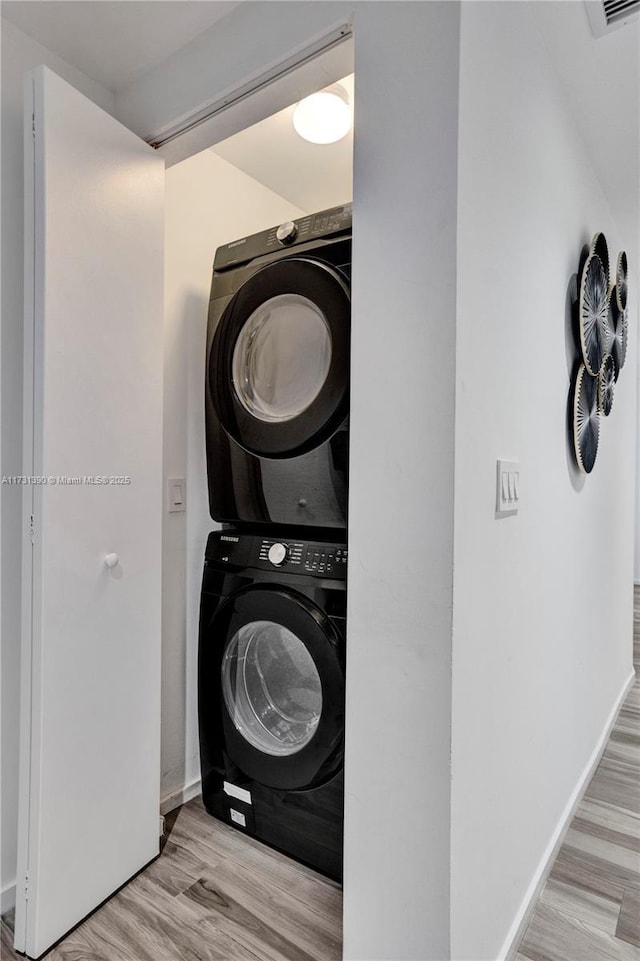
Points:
(397, 804)
(543, 600)
(208, 203)
(19, 54)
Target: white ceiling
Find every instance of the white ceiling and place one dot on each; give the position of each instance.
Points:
(311, 176)
(113, 41)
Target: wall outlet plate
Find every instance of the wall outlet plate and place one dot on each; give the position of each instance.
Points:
(508, 487)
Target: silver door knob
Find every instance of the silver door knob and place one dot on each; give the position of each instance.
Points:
(111, 560)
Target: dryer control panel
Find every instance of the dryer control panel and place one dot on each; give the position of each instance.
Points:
(239, 550)
(336, 220)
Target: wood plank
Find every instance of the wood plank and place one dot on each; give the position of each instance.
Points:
(89, 943)
(629, 923)
(615, 839)
(589, 873)
(222, 903)
(612, 853)
(609, 816)
(614, 787)
(239, 888)
(177, 869)
(554, 936)
(175, 929)
(583, 905)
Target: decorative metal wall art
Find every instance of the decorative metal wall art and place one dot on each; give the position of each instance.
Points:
(599, 249)
(586, 420)
(602, 332)
(621, 281)
(620, 327)
(606, 385)
(595, 332)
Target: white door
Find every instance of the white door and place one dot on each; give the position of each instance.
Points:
(90, 721)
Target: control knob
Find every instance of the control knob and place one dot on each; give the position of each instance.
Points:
(286, 233)
(278, 554)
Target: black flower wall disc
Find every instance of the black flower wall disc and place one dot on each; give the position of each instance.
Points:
(594, 323)
(606, 385)
(620, 326)
(600, 249)
(586, 419)
(621, 281)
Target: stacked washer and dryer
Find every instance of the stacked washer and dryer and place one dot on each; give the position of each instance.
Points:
(273, 606)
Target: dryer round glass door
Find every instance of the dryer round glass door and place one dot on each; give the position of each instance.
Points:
(272, 668)
(281, 358)
(278, 369)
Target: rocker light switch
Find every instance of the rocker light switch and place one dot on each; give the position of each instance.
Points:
(176, 494)
(508, 484)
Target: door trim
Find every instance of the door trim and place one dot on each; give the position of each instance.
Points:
(211, 110)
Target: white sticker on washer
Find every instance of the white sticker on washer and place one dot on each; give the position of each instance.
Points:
(238, 818)
(238, 792)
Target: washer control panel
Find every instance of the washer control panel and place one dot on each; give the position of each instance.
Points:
(305, 556)
(315, 558)
(325, 559)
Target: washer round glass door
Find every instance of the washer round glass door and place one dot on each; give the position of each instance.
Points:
(278, 371)
(278, 663)
(271, 688)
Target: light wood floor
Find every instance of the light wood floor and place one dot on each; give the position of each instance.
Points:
(212, 895)
(216, 895)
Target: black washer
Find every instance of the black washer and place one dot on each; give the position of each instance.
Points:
(271, 681)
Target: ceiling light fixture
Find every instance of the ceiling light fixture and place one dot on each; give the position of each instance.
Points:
(324, 117)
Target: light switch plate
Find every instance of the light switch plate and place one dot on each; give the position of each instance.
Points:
(176, 494)
(508, 487)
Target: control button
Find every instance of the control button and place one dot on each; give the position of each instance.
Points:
(277, 554)
(286, 233)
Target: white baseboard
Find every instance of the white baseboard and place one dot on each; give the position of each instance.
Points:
(172, 801)
(530, 900)
(8, 898)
